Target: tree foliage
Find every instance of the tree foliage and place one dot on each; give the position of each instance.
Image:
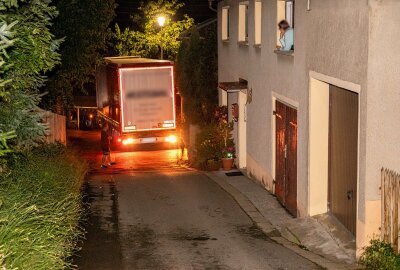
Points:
(84, 25)
(6, 40)
(197, 74)
(147, 37)
(25, 26)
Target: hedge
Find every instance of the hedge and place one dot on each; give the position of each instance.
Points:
(380, 256)
(40, 209)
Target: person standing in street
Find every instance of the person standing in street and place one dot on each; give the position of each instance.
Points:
(105, 145)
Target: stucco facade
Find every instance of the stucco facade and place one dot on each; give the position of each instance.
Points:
(347, 43)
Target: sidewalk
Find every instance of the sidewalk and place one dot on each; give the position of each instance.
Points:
(317, 239)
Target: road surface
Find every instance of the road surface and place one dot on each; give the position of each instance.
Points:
(149, 213)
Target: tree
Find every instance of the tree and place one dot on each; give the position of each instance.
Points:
(197, 74)
(84, 25)
(33, 53)
(147, 37)
(6, 40)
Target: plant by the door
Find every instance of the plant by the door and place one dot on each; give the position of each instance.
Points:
(228, 156)
(225, 129)
(214, 143)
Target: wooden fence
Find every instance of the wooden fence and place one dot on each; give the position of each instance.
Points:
(57, 128)
(390, 207)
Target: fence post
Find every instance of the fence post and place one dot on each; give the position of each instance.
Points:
(390, 197)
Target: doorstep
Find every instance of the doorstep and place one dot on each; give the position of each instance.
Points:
(320, 239)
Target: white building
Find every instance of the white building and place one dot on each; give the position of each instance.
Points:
(316, 124)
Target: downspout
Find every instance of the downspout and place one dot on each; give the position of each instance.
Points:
(210, 6)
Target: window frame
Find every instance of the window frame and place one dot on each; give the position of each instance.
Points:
(225, 23)
(291, 15)
(243, 21)
(284, 4)
(258, 22)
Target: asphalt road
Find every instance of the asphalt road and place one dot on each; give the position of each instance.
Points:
(149, 213)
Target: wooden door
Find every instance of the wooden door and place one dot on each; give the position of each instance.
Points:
(343, 156)
(286, 156)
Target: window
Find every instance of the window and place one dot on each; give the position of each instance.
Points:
(225, 23)
(285, 11)
(257, 22)
(289, 12)
(243, 21)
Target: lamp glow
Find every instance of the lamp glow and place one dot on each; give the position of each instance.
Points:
(161, 20)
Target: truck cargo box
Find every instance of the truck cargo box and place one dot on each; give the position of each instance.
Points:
(137, 96)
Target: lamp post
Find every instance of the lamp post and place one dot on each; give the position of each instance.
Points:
(161, 22)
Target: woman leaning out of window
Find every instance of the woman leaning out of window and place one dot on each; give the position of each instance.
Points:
(286, 36)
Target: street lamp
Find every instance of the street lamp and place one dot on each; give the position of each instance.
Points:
(161, 22)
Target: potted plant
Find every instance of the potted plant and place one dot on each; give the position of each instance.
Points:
(228, 148)
(228, 155)
(214, 143)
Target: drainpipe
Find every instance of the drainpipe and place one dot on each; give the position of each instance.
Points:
(308, 5)
(210, 6)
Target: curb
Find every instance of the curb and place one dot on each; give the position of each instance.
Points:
(273, 233)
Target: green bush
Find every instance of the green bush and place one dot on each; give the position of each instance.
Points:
(215, 141)
(380, 256)
(40, 207)
(208, 145)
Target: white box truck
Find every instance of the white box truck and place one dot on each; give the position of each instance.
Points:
(137, 97)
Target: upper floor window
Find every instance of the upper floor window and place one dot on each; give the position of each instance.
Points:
(225, 23)
(285, 29)
(243, 21)
(257, 22)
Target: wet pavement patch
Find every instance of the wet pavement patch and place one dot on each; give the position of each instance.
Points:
(253, 231)
(101, 225)
(139, 246)
(274, 233)
(195, 235)
(142, 237)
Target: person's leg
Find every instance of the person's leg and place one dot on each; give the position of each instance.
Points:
(109, 158)
(110, 162)
(103, 160)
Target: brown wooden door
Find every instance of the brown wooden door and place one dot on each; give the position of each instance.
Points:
(286, 156)
(343, 156)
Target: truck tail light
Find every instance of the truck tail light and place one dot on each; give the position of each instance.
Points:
(171, 139)
(128, 141)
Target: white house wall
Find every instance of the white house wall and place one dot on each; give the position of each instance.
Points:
(383, 105)
(335, 38)
(318, 47)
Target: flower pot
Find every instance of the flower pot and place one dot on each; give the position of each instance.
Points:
(227, 164)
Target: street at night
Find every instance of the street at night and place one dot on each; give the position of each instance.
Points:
(199, 134)
(158, 215)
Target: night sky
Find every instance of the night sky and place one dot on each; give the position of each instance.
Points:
(197, 9)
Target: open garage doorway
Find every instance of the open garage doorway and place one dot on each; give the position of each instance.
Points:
(333, 150)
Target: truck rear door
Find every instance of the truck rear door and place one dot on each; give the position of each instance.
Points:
(147, 98)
